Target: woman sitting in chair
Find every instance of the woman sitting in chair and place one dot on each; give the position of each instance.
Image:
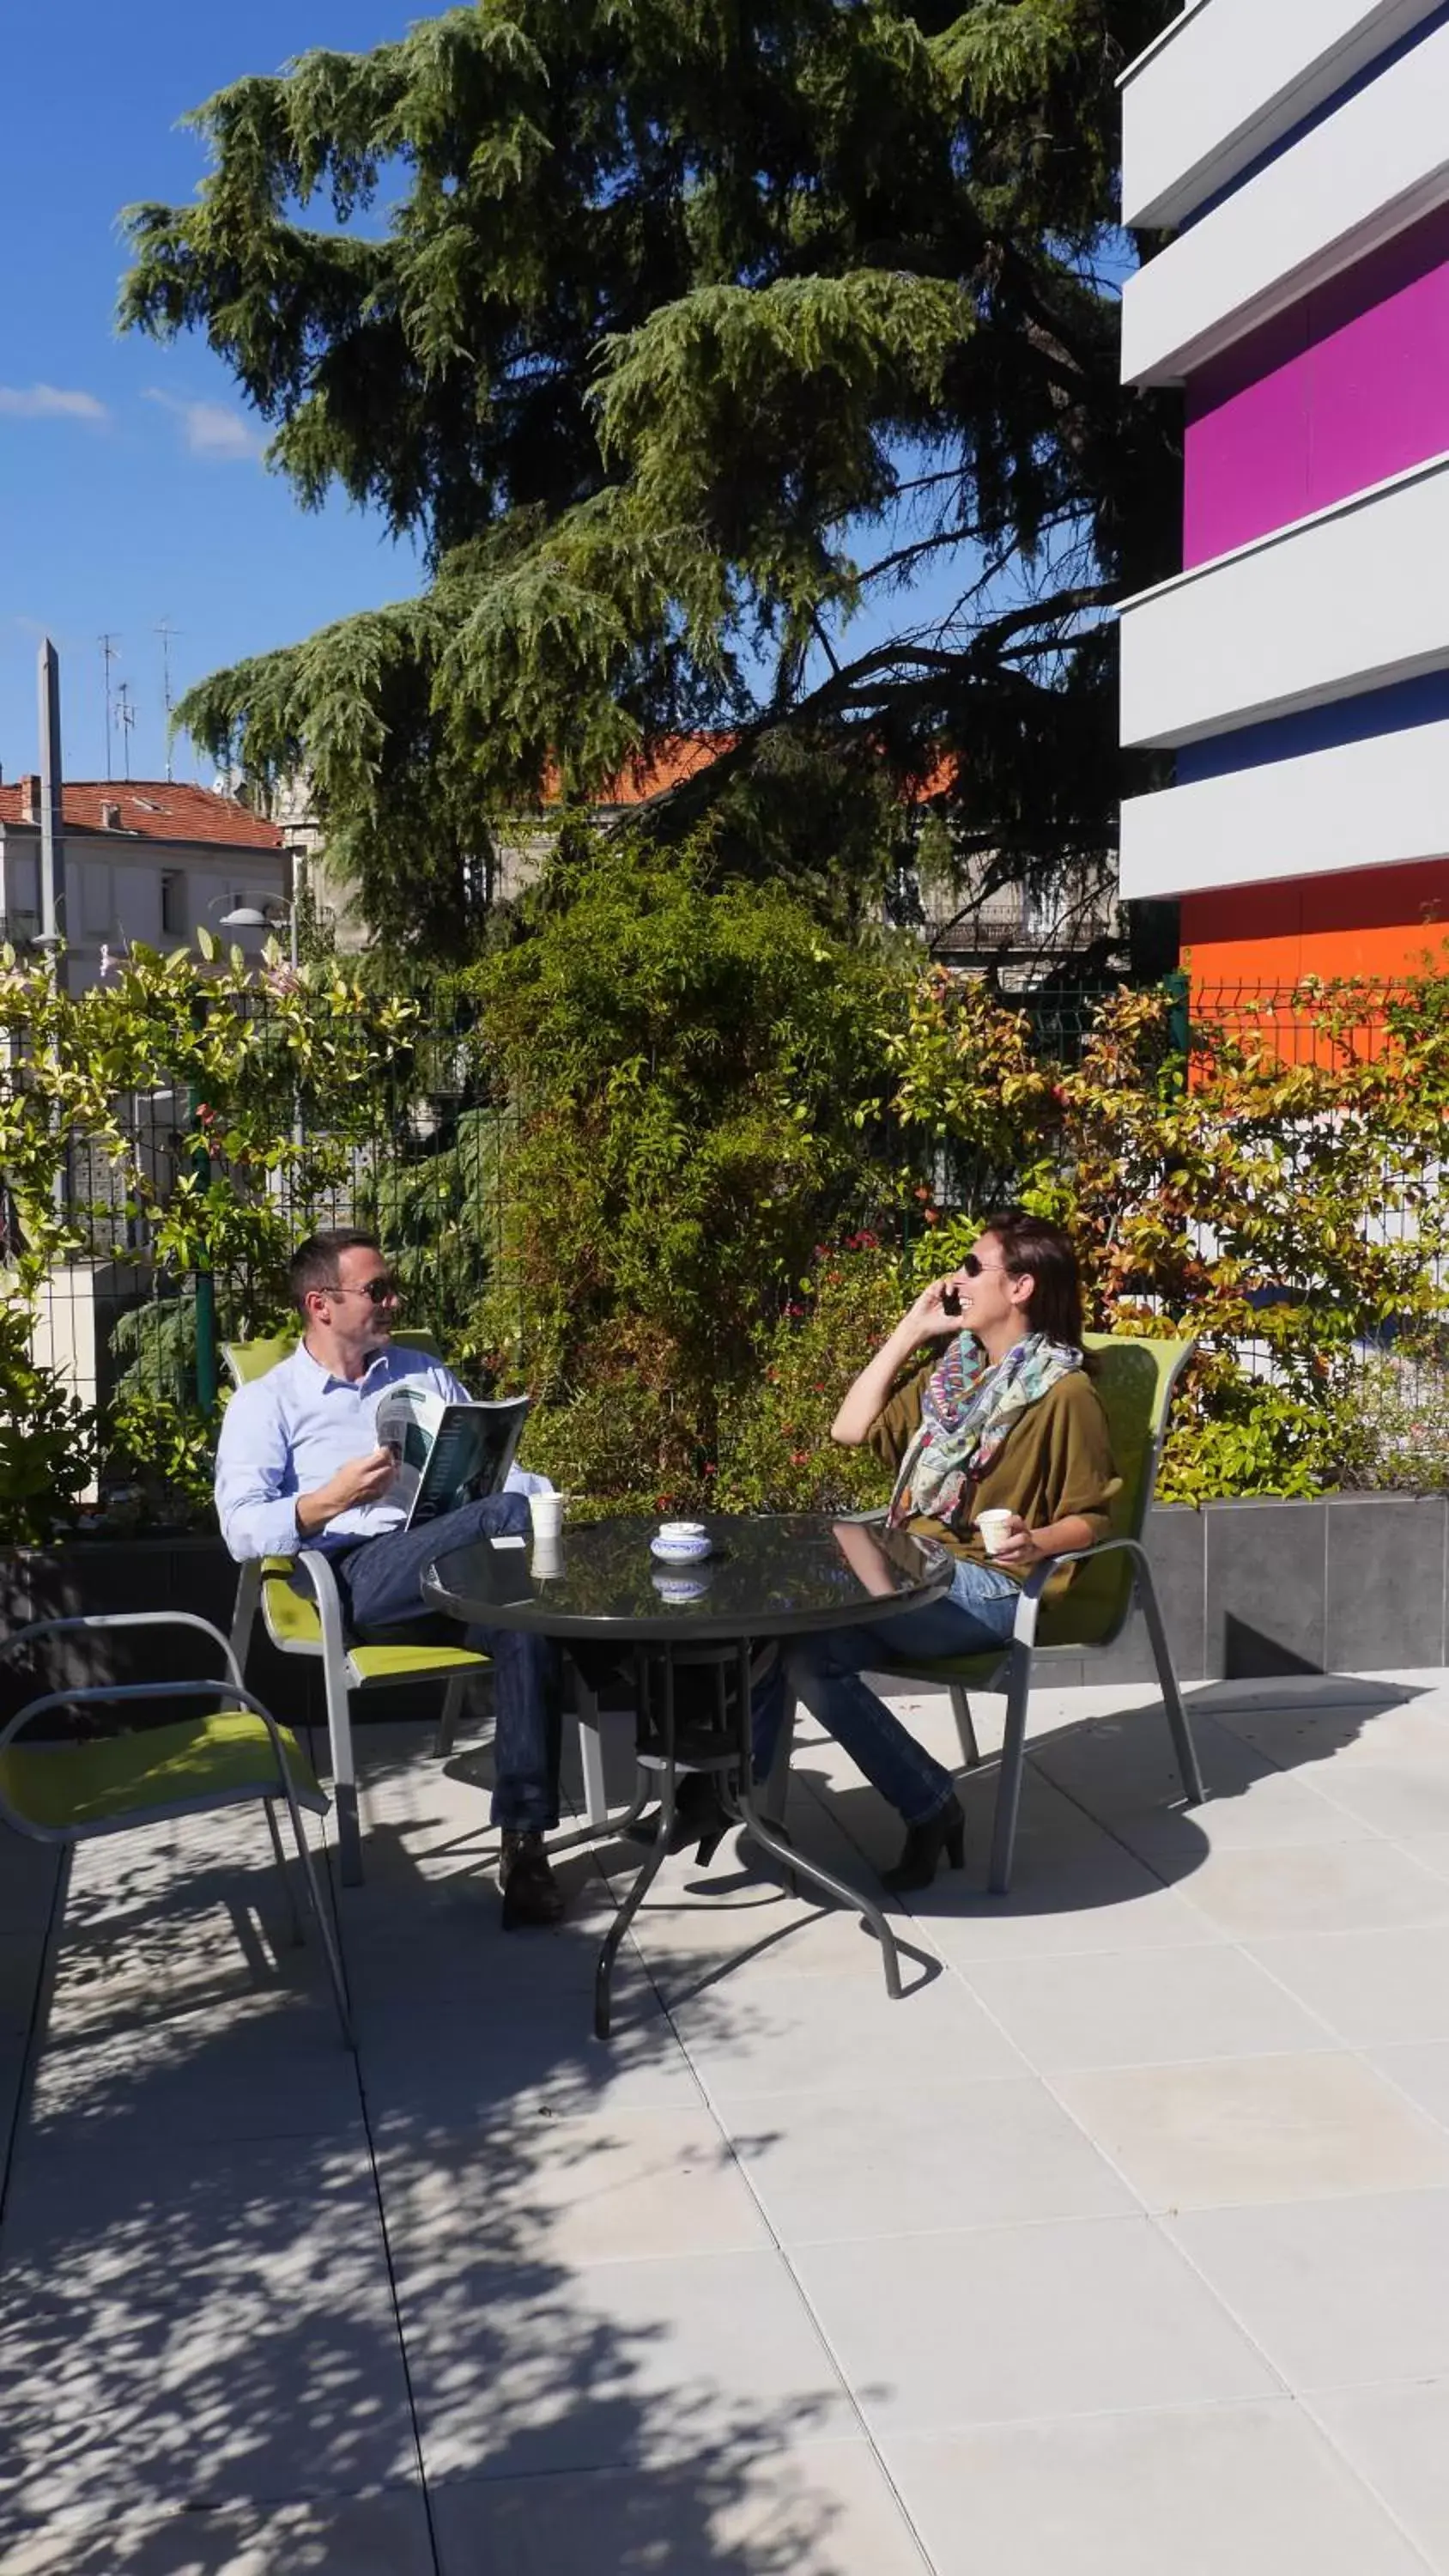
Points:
(1004, 1421)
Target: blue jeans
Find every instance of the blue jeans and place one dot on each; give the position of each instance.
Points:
(382, 1597)
(974, 1618)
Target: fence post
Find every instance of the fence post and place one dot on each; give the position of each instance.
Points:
(205, 1283)
(1177, 988)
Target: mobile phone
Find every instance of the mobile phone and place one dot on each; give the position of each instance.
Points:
(950, 1301)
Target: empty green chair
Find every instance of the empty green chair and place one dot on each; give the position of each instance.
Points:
(230, 1755)
(315, 1628)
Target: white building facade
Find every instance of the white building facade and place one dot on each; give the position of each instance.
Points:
(145, 861)
(1298, 668)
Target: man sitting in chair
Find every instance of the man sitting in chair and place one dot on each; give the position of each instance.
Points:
(298, 1465)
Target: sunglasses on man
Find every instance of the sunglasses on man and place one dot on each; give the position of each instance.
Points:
(381, 1291)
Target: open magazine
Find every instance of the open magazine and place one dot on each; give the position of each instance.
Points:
(446, 1454)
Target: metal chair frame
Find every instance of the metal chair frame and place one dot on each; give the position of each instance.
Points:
(1020, 1655)
(228, 1688)
(341, 1676)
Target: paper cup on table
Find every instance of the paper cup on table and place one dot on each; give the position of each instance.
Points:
(546, 1561)
(995, 1528)
(548, 1513)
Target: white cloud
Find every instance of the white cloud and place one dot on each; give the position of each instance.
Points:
(50, 402)
(209, 428)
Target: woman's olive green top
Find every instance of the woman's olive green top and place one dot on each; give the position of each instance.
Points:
(1055, 1464)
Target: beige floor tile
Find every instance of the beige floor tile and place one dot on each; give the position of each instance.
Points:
(1327, 1729)
(1409, 1797)
(1067, 1896)
(1123, 1771)
(428, 2063)
(1011, 2322)
(1141, 2008)
(828, 2165)
(1336, 1887)
(377, 2535)
(1257, 2129)
(803, 2034)
(832, 1944)
(822, 2511)
(259, 2067)
(615, 2187)
(1422, 2073)
(28, 1876)
(1398, 2439)
(1336, 2293)
(541, 2370)
(211, 2326)
(1247, 2489)
(1373, 1988)
(22, 1956)
(1431, 1851)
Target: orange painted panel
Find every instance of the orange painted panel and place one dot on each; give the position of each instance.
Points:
(1368, 921)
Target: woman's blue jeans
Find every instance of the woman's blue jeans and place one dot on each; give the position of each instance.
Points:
(975, 1617)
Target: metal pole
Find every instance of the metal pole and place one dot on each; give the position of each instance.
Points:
(52, 833)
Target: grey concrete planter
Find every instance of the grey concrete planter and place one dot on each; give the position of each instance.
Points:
(1357, 1582)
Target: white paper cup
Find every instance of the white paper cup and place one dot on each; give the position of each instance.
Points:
(546, 1561)
(547, 1512)
(995, 1528)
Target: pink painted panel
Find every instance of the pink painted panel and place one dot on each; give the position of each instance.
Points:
(1351, 386)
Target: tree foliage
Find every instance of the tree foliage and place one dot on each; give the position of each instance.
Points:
(675, 332)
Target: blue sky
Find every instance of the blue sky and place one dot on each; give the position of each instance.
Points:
(131, 487)
(139, 497)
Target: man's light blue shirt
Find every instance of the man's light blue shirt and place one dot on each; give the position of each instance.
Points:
(289, 1431)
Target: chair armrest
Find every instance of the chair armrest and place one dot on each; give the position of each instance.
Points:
(318, 1569)
(1024, 1627)
(127, 1619)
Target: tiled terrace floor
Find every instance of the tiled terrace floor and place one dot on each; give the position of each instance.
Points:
(1120, 2245)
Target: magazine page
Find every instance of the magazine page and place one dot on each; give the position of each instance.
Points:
(470, 1456)
(408, 1417)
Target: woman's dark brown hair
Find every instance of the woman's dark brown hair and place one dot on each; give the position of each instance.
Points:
(1033, 1249)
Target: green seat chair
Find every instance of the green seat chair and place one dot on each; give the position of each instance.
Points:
(1135, 1381)
(299, 1626)
(115, 1782)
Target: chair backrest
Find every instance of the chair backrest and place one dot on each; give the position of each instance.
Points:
(1134, 1381)
(249, 1360)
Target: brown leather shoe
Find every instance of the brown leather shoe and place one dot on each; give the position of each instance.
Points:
(531, 1893)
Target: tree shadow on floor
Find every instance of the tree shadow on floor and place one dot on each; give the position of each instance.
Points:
(245, 2277)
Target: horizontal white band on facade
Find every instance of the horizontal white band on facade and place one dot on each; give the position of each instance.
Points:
(1348, 600)
(1228, 79)
(1382, 803)
(1369, 171)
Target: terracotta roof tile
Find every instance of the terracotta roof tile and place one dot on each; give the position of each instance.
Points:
(153, 810)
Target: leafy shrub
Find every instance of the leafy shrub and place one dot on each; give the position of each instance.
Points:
(47, 1438)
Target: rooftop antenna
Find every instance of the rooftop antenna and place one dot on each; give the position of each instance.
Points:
(125, 718)
(108, 656)
(166, 630)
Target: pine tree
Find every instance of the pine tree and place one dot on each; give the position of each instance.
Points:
(674, 331)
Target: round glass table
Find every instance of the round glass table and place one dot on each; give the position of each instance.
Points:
(765, 1578)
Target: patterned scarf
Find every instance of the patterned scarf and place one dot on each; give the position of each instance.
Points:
(967, 1410)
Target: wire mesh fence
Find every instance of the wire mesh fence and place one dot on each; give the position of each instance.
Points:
(416, 1149)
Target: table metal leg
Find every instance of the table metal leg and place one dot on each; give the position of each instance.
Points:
(640, 1889)
(794, 1861)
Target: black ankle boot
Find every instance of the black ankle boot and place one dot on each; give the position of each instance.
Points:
(700, 1817)
(924, 1844)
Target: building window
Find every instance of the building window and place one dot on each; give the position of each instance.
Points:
(173, 904)
(96, 899)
